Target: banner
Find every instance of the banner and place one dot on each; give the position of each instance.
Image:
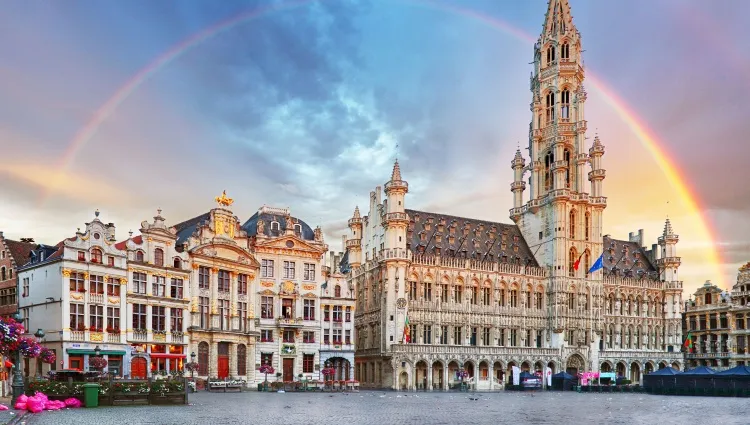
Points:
(548, 376)
(516, 375)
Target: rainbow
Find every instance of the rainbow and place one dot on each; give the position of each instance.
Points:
(645, 136)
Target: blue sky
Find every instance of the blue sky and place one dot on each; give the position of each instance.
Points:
(304, 107)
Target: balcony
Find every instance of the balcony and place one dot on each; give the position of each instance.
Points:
(598, 200)
(355, 221)
(113, 337)
(397, 217)
(395, 254)
(353, 243)
(289, 322)
(559, 194)
(396, 185)
(471, 350)
(668, 261)
(78, 335)
(597, 174)
(95, 298)
(177, 337)
(517, 186)
(140, 335)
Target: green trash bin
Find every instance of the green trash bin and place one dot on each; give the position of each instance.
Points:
(91, 395)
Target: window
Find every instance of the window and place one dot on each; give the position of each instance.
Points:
(110, 261)
(458, 294)
(77, 317)
(550, 111)
(565, 51)
(8, 296)
(473, 338)
(266, 359)
(266, 268)
(113, 319)
(444, 293)
(427, 334)
(96, 284)
(486, 336)
(348, 317)
(413, 290)
(241, 360)
(3, 275)
(224, 314)
(175, 288)
(96, 318)
(549, 158)
(242, 312)
(159, 286)
(26, 287)
(139, 256)
(287, 308)
(565, 105)
(309, 309)
(204, 278)
(266, 335)
(81, 256)
(474, 295)
(501, 338)
(337, 336)
(139, 317)
(203, 312)
(96, 255)
(177, 263)
(586, 263)
(310, 272)
(514, 297)
(486, 296)
(288, 335)
(308, 362)
(348, 337)
(326, 336)
(528, 338)
(242, 284)
(538, 300)
(203, 359)
(224, 280)
(266, 307)
(550, 55)
(158, 318)
(572, 299)
(139, 283)
(308, 336)
(288, 269)
(444, 335)
(513, 337)
(113, 287)
(159, 257)
(572, 257)
(327, 313)
(457, 340)
(337, 291)
(175, 319)
(586, 224)
(428, 291)
(337, 316)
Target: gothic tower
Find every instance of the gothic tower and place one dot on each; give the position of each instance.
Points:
(562, 221)
(667, 265)
(354, 244)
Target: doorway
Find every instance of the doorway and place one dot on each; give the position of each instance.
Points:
(223, 360)
(288, 369)
(138, 368)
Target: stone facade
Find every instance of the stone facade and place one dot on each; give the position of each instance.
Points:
(484, 296)
(13, 254)
(338, 340)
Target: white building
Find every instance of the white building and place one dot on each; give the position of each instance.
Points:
(337, 299)
(75, 293)
(158, 297)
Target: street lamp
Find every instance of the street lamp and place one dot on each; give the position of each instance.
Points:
(97, 351)
(192, 369)
(39, 334)
(17, 384)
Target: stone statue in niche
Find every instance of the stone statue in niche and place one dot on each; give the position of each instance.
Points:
(261, 227)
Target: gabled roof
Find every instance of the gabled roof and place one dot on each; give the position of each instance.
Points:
(251, 225)
(622, 255)
(138, 240)
(20, 251)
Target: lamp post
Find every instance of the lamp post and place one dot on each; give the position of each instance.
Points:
(39, 334)
(192, 360)
(17, 384)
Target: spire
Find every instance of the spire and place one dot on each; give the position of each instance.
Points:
(356, 212)
(557, 20)
(396, 174)
(668, 229)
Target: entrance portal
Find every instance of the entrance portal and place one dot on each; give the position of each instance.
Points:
(575, 365)
(138, 368)
(288, 369)
(223, 360)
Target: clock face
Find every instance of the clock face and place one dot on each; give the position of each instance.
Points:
(401, 303)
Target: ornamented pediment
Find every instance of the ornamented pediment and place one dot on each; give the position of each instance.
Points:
(267, 292)
(288, 288)
(227, 252)
(290, 242)
(309, 295)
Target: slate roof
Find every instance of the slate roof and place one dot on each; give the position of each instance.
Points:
(486, 240)
(186, 228)
(627, 258)
(51, 253)
(251, 225)
(20, 251)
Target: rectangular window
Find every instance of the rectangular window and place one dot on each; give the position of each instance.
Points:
(81, 256)
(327, 313)
(413, 291)
(139, 316)
(242, 284)
(77, 317)
(348, 337)
(513, 338)
(242, 312)
(486, 296)
(223, 281)
(113, 319)
(287, 308)
(175, 288)
(203, 311)
(473, 340)
(337, 336)
(457, 337)
(486, 336)
(501, 338)
(309, 271)
(444, 293)
(158, 286)
(175, 322)
(139, 283)
(308, 363)
(428, 291)
(158, 318)
(288, 269)
(528, 338)
(459, 294)
(96, 318)
(348, 317)
(309, 309)
(266, 268)
(224, 314)
(110, 261)
(113, 287)
(444, 334)
(427, 334)
(204, 278)
(308, 336)
(266, 335)
(96, 284)
(326, 336)
(474, 295)
(337, 316)
(26, 287)
(288, 336)
(266, 307)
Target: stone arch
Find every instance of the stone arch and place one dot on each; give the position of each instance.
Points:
(648, 367)
(420, 374)
(484, 370)
(437, 374)
(606, 366)
(499, 369)
(553, 366)
(676, 365)
(413, 277)
(428, 277)
(470, 366)
(662, 365)
(539, 366)
(445, 280)
(635, 372)
(526, 366)
(575, 364)
(621, 369)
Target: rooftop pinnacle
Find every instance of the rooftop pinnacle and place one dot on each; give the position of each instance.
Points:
(396, 175)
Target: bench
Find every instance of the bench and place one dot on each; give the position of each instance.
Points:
(224, 385)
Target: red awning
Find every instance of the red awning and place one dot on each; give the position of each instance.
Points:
(167, 356)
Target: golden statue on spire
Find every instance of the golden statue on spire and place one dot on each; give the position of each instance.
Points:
(223, 200)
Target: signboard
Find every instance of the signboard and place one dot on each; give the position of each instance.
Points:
(548, 376)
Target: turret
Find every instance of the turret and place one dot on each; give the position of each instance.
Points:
(669, 261)
(518, 185)
(597, 173)
(354, 242)
(396, 220)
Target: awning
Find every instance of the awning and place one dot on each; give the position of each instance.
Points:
(167, 356)
(91, 352)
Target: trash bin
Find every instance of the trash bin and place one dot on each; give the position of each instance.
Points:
(91, 395)
(260, 387)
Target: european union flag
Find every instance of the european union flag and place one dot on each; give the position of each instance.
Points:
(598, 264)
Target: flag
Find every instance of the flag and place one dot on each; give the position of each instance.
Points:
(578, 262)
(689, 342)
(599, 264)
(407, 331)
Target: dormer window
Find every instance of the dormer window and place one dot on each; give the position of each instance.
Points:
(81, 256)
(139, 256)
(177, 263)
(298, 229)
(275, 226)
(159, 257)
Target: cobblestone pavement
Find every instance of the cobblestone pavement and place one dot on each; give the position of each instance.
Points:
(385, 408)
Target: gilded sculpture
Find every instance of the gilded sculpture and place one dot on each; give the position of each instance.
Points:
(223, 200)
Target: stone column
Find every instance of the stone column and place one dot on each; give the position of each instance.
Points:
(168, 320)
(429, 377)
(213, 356)
(445, 377)
(233, 282)
(214, 318)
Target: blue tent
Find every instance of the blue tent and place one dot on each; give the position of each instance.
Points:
(700, 370)
(665, 371)
(736, 371)
(563, 375)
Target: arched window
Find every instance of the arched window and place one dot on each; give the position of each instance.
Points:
(586, 225)
(565, 52)
(203, 359)
(566, 157)
(551, 55)
(572, 298)
(550, 107)
(565, 105)
(139, 256)
(572, 224)
(241, 360)
(586, 262)
(96, 255)
(275, 226)
(158, 257)
(572, 257)
(2, 274)
(549, 158)
(177, 263)
(337, 291)
(298, 229)
(514, 297)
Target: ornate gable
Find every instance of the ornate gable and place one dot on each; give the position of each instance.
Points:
(290, 245)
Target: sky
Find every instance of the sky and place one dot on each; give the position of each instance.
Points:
(306, 104)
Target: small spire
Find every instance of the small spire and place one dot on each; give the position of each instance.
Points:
(158, 212)
(668, 229)
(356, 212)
(96, 213)
(396, 174)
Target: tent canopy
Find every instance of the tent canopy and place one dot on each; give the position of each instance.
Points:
(563, 375)
(665, 371)
(736, 371)
(700, 370)
(527, 375)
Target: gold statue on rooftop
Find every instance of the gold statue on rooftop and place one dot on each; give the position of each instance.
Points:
(223, 200)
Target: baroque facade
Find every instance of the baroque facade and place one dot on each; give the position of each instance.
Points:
(337, 325)
(439, 293)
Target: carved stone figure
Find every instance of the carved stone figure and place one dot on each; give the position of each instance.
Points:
(261, 227)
